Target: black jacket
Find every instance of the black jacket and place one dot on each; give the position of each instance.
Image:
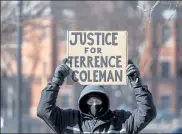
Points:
(79, 121)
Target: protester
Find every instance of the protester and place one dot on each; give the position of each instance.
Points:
(94, 114)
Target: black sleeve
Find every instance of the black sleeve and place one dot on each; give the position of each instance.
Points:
(57, 119)
(138, 119)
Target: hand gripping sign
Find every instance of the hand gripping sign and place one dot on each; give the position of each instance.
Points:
(97, 57)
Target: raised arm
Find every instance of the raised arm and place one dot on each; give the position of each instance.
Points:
(138, 119)
(144, 114)
(47, 109)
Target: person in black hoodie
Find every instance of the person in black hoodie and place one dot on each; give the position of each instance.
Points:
(94, 115)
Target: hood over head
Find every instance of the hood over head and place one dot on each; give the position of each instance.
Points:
(99, 90)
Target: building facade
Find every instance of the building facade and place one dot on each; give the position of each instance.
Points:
(161, 60)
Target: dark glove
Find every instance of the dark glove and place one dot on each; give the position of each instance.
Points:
(133, 74)
(61, 72)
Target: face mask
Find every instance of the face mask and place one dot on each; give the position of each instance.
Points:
(95, 106)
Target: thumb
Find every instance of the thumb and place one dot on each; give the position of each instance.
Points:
(130, 61)
(65, 60)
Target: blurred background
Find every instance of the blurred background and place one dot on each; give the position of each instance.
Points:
(33, 42)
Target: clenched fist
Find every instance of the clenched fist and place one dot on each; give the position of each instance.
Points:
(61, 72)
(133, 74)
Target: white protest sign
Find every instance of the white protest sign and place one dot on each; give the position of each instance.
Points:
(98, 57)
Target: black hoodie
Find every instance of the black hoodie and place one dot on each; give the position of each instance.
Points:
(83, 96)
(79, 121)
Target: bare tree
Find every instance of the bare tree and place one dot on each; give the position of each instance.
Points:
(31, 10)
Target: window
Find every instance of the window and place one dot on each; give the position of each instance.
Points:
(180, 35)
(44, 68)
(63, 33)
(165, 102)
(65, 100)
(68, 13)
(180, 104)
(166, 32)
(44, 32)
(169, 14)
(179, 70)
(165, 69)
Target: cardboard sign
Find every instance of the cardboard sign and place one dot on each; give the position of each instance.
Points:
(97, 57)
